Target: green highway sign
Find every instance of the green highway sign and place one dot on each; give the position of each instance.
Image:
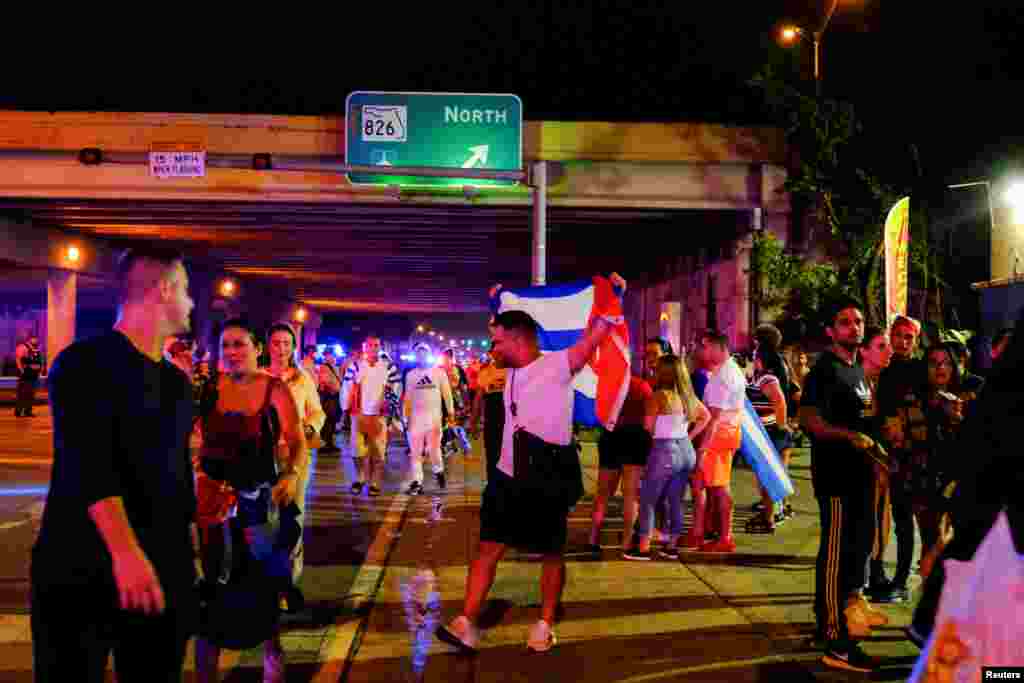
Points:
(434, 130)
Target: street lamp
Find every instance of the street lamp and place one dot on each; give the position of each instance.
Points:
(790, 33)
(1014, 195)
(988, 195)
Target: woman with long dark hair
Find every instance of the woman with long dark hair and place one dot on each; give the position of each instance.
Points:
(284, 365)
(988, 481)
(924, 430)
(622, 454)
(767, 393)
(244, 485)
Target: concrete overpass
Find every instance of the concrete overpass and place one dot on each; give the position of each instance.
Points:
(668, 205)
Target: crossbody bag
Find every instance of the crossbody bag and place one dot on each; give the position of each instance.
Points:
(546, 472)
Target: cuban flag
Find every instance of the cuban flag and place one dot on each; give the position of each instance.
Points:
(759, 452)
(563, 313)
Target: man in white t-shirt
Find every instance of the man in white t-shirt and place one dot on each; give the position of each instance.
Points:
(538, 398)
(426, 386)
(365, 392)
(724, 396)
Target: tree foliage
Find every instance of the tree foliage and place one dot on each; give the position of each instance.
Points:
(831, 173)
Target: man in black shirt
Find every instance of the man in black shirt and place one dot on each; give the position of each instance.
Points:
(112, 569)
(837, 412)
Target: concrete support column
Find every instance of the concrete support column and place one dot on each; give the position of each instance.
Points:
(746, 317)
(61, 300)
(539, 258)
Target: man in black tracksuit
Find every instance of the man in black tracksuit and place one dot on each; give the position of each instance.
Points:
(837, 412)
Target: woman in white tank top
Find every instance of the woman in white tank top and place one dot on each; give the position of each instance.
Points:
(674, 416)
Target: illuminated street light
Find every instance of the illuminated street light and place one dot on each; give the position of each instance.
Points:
(300, 315)
(227, 288)
(73, 254)
(419, 329)
(1014, 195)
(790, 32)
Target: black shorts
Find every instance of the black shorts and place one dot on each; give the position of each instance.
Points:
(516, 520)
(781, 439)
(627, 445)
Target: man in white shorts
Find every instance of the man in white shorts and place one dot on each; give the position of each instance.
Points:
(425, 387)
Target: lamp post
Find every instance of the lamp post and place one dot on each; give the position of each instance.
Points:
(791, 32)
(987, 184)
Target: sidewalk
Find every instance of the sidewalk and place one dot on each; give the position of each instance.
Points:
(746, 617)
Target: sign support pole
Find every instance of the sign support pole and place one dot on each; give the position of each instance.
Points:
(540, 227)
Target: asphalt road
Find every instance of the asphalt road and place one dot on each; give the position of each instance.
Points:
(744, 617)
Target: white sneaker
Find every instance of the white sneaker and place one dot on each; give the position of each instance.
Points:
(542, 637)
(460, 633)
(875, 617)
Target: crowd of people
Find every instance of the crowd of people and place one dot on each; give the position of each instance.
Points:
(177, 497)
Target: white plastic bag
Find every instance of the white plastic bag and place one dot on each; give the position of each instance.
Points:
(984, 599)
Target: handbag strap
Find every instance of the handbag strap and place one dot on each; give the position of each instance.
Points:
(512, 395)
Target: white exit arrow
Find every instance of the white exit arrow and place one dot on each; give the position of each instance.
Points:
(479, 155)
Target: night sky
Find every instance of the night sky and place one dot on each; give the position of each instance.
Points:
(943, 78)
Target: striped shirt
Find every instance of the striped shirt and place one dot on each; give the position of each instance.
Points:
(380, 387)
(759, 399)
